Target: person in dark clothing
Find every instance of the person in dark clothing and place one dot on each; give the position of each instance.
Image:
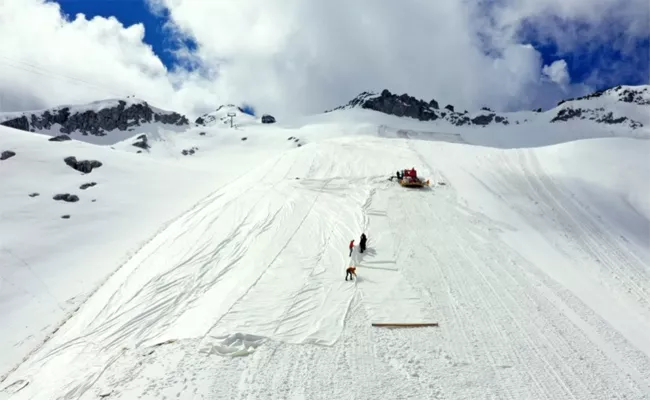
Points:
(362, 242)
(351, 247)
(350, 272)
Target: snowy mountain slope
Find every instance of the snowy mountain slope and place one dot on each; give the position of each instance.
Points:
(535, 133)
(100, 122)
(535, 262)
(625, 105)
(197, 145)
(49, 264)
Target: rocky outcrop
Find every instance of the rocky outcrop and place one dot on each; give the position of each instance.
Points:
(171, 119)
(268, 119)
(599, 115)
(67, 197)
(85, 166)
(60, 138)
(17, 123)
(408, 106)
(488, 119)
(640, 96)
(388, 103)
(98, 122)
(7, 154)
(568, 114)
(142, 142)
(189, 152)
(87, 185)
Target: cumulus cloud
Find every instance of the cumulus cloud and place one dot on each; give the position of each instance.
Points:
(45, 58)
(305, 56)
(558, 72)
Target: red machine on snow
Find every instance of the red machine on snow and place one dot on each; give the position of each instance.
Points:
(409, 178)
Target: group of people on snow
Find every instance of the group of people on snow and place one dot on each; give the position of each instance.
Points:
(362, 244)
(406, 174)
(350, 271)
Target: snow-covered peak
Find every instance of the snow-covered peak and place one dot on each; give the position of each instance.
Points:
(408, 106)
(91, 106)
(358, 101)
(639, 95)
(626, 106)
(222, 115)
(100, 122)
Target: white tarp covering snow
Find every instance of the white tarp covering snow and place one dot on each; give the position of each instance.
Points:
(535, 262)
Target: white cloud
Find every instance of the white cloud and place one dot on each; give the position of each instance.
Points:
(297, 56)
(55, 61)
(558, 72)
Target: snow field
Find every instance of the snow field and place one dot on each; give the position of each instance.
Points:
(49, 265)
(535, 262)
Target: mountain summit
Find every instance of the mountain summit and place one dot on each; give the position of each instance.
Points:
(625, 105)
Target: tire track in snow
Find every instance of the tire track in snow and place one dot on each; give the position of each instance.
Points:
(482, 307)
(597, 243)
(554, 208)
(479, 308)
(575, 250)
(575, 335)
(533, 288)
(553, 339)
(600, 329)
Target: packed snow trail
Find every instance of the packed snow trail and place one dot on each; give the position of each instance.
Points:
(258, 269)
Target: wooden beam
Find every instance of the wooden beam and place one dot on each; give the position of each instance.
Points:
(403, 324)
(382, 268)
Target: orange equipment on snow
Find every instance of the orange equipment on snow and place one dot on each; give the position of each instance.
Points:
(410, 179)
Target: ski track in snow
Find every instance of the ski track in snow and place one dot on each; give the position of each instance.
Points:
(258, 270)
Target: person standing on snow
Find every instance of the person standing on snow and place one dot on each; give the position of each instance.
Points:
(351, 247)
(362, 242)
(350, 272)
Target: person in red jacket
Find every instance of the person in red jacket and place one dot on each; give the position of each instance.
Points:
(351, 247)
